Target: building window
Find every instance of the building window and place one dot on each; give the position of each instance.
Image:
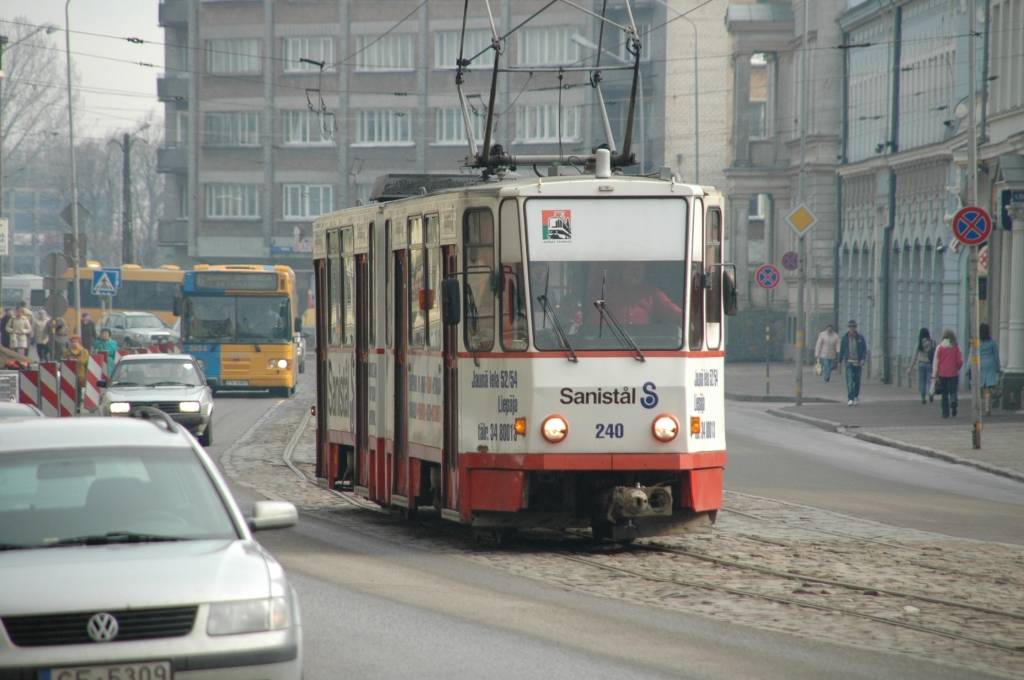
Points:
(180, 135)
(547, 45)
(450, 128)
(755, 210)
(307, 201)
(313, 48)
(540, 124)
(383, 127)
(446, 48)
(757, 107)
(303, 126)
(232, 128)
(234, 55)
(232, 201)
(390, 53)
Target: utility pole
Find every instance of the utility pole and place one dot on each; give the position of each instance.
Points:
(801, 325)
(77, 287)
(972, 197)
(127, 248)
(3, 41)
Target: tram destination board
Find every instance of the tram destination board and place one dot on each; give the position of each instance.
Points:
(260, 281)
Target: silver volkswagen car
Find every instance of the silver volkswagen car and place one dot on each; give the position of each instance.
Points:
(172, 383)
(124, 556)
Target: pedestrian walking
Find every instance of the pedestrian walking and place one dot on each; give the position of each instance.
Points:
(88, 330)
(946, 371)
(5, 328)
(826, 349)
(80, 355)
(59, 339)
(42, 328)
(107, 345)
(853, 349)
(20, 329)
(924, 354)
(988, 353)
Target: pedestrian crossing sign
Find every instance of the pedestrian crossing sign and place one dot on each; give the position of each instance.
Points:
(103, 283)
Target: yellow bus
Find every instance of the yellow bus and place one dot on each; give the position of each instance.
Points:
(239, 321)
(142, 290)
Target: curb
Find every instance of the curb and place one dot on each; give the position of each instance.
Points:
(839, 428)
(778, 399)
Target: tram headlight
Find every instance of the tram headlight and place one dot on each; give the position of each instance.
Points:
(554, 428)
(277, 363)
(665, 427)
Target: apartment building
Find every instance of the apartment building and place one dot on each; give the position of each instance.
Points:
(280, 110)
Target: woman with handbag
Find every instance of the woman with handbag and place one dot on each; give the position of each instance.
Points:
(825, 351)
(946, 371)
(923, 356)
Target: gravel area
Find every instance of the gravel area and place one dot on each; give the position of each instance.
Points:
(803, 545)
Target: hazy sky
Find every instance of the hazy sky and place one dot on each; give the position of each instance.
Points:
(114, 95)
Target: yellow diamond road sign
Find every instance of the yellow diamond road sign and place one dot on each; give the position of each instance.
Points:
(801, 219)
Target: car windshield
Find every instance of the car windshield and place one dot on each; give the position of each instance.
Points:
(145, 322)
(94, 495)
(243, 318)
(148, 372)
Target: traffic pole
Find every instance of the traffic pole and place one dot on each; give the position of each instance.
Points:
(972, 277)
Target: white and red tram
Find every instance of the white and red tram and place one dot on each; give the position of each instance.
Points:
(529, 352)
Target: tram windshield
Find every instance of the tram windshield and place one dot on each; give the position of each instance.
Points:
(645, 298)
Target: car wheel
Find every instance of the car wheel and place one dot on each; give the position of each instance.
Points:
(207, 437)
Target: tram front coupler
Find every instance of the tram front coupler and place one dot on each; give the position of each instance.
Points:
(623, 503)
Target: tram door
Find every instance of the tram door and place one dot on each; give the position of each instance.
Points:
(322, 316)
(400, 370)
(450, 452)
(362, 302)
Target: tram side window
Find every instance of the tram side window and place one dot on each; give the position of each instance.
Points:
(433, 227)
(697, 277)
(513, 291)
(418, 291)
(348, 327)
(712, 262)
(478, 296)
(334, 288)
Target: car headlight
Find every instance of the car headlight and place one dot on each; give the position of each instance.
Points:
(554, 428)
(120, 407)
(665, 427)
(189, 407)
(277, 363)
(248, 616)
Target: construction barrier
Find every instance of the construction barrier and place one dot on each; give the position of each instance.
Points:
(49, 388)
(28, 387)
(68, 387)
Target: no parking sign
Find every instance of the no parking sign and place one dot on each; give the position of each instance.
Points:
(972, 225)
(767, 276)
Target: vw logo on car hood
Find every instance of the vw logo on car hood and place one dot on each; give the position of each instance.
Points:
(102, 627)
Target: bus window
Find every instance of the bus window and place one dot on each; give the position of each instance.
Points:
(478, 264)
(513, 293)
(433, 281)
(333, 301)
(418, 292)
(712, 262)
(697, 277)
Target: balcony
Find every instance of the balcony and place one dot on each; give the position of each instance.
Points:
(172, 232)
(171, 159)
(173, 13)
(172, 89)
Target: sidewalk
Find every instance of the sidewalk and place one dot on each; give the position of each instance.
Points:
(887, 414)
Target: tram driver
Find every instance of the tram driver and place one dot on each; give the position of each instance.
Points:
(635, 301)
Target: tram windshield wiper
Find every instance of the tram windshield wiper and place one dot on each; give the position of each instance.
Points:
(624, 338)
(559, 331)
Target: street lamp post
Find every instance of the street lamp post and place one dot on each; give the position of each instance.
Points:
(49, 28)
(77, 287)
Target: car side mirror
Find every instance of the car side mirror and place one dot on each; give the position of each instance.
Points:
(730, 297)
(273, 515)
(451, 302)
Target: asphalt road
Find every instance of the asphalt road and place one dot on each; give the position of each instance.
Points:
(374, 608)
(783, 459)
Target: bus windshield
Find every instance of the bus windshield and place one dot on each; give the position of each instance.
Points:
(228, 319)
(586, 298)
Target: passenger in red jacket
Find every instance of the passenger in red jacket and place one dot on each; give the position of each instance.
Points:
(946, 371)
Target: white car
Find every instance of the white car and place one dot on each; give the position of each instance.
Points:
(124, 556)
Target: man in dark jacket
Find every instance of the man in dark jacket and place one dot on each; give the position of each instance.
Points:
(88, 330)
(5, 334)
(853, 349)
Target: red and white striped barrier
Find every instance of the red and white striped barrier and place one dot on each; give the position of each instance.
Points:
(28, 387)
(94, 373)
(68, 388)
(49, 388)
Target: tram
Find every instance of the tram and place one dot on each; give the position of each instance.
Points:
(542, 352)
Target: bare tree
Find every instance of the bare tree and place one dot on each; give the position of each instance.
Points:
(34, 102)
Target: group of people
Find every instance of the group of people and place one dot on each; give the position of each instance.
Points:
(938, 365)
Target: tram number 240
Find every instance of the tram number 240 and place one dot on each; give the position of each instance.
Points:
(609, 431)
